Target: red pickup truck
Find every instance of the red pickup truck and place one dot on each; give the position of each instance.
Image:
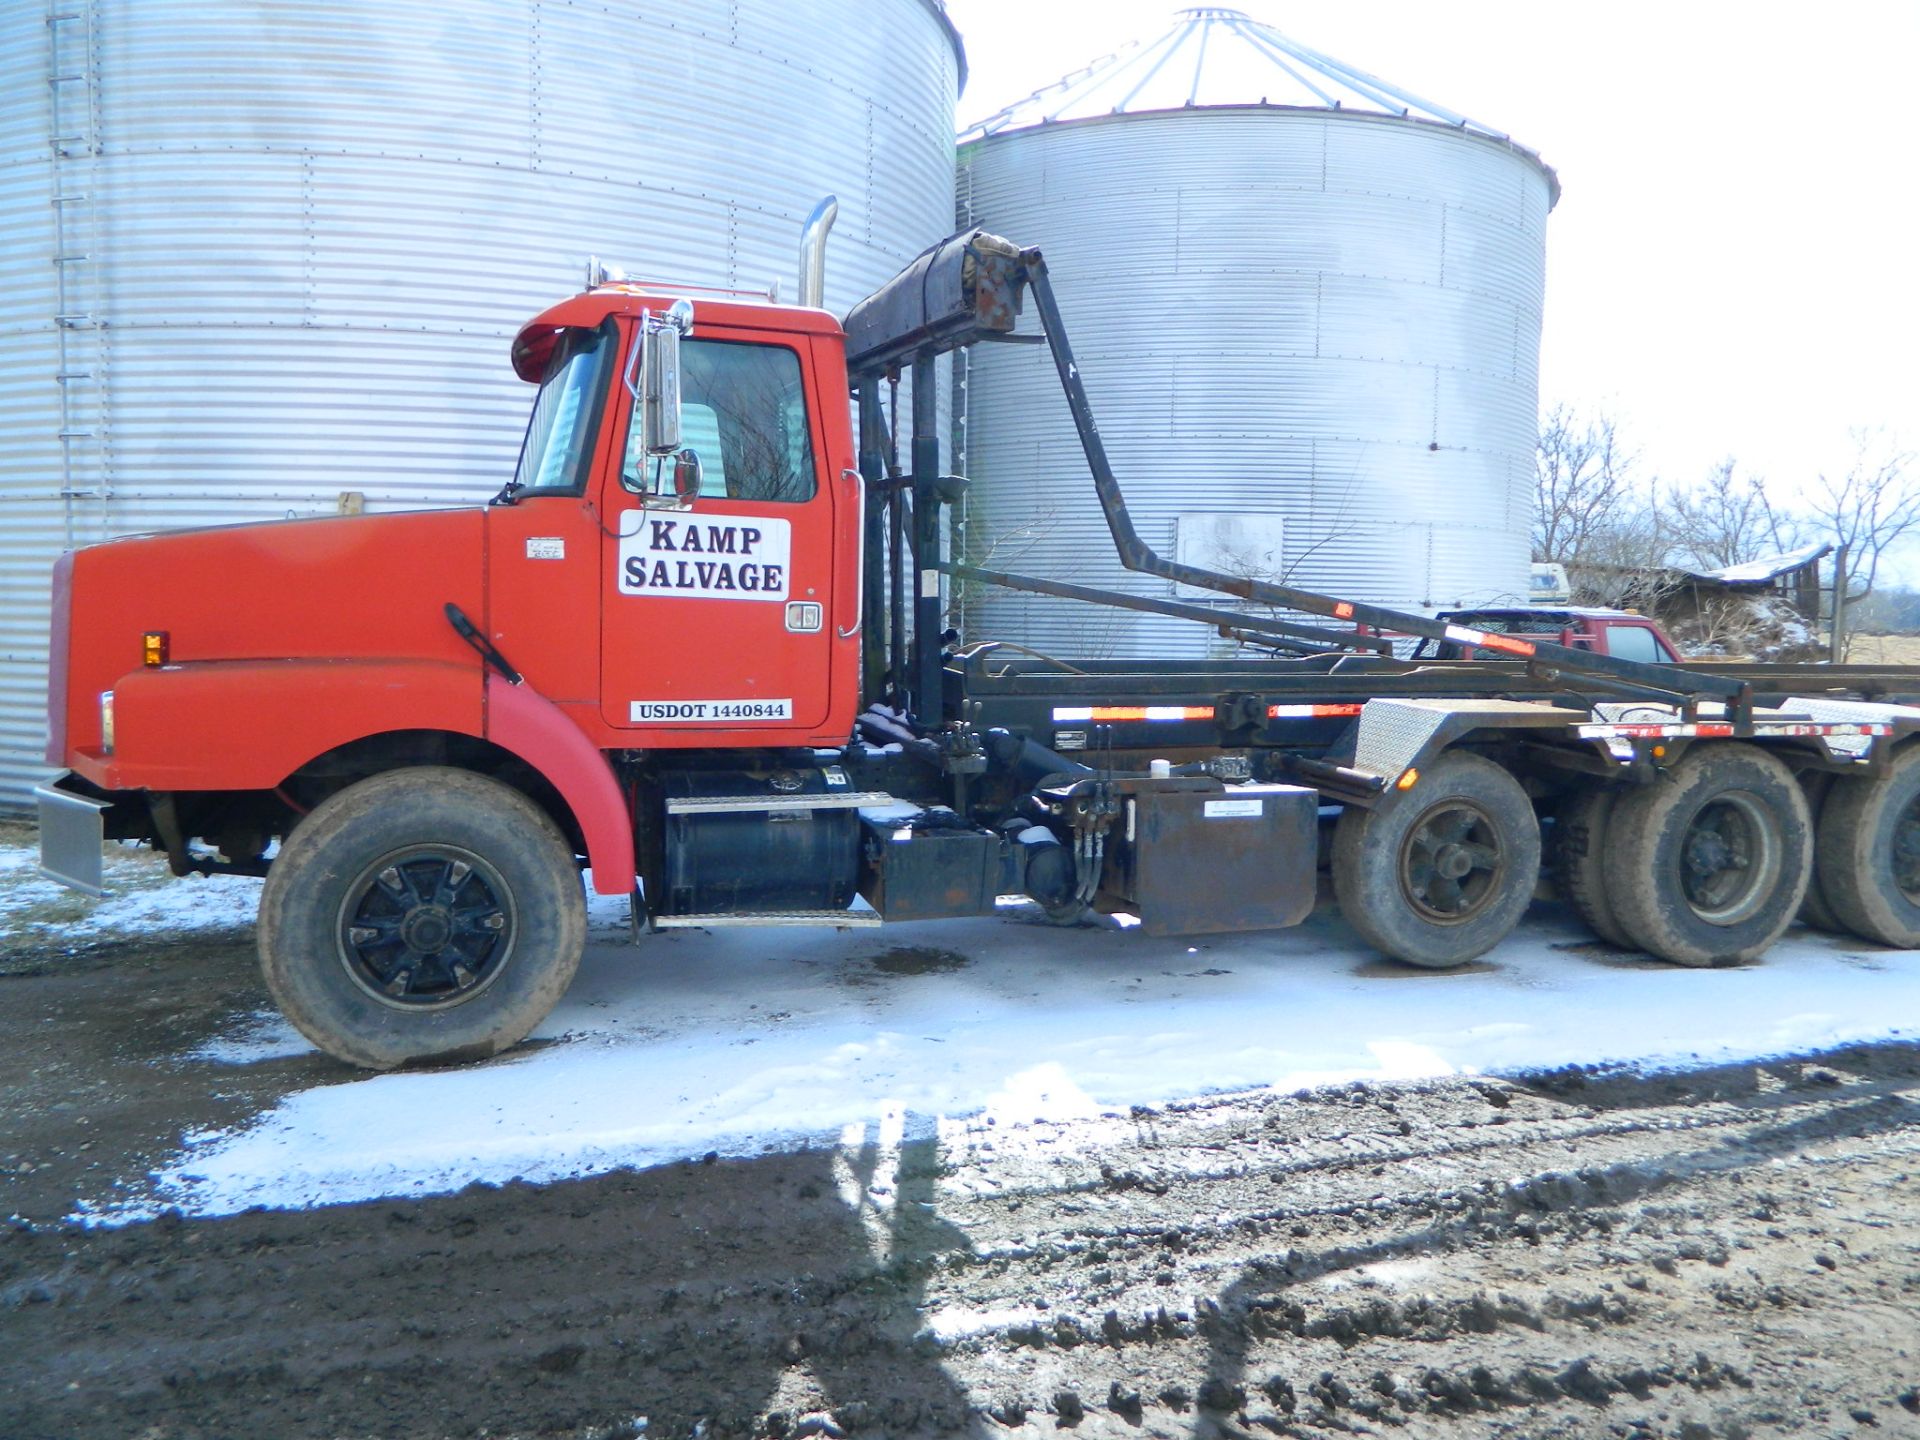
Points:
(1619, 633)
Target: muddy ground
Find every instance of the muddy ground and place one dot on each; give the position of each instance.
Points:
(1728, 1252)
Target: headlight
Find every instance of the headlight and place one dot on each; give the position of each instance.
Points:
(106, 721)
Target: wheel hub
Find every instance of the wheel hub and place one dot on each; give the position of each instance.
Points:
(1451, 863)
(426, 927)
(1730, 858)
(1708, 853)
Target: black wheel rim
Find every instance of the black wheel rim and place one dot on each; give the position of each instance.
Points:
(1906, 851)
(1452, 863)
(427, 927)
(1729, 858)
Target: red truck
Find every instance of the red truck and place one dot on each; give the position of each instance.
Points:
(696, 647)
(1620, 633)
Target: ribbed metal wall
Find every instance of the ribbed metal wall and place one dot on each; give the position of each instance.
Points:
(298, 236)
(1329, 317)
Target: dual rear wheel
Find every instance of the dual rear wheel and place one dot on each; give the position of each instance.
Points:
(1707, 866)
(1711, 864)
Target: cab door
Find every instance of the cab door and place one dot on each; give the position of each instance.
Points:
(716, 622)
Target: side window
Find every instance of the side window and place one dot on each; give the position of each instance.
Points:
(1635, 642)
(743, 411)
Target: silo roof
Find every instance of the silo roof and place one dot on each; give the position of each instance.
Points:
(1214, 57)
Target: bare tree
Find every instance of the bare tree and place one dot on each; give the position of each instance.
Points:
(1582, 476)
(1867, 510)
(1728, 520)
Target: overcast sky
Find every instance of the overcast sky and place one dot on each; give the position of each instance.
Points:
(1733, 268)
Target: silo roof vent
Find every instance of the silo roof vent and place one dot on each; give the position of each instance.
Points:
(1214, 56)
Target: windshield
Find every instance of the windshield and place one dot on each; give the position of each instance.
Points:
(566, 414)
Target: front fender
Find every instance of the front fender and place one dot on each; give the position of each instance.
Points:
(248, 724)
(534, 728)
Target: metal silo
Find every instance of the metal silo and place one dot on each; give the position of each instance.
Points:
(265, 260)
(1307, 306)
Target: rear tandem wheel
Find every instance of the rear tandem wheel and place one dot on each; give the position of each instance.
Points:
(1709, 864)
(1869, 862)
(1443, 872)
(1579, 860)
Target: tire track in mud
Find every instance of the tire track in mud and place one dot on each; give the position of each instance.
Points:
(1728, 1252)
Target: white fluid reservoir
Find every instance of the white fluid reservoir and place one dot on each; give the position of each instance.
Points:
(1309, 331)
(264, 260)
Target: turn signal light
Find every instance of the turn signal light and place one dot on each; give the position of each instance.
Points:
(1408, 779)
(153, 648)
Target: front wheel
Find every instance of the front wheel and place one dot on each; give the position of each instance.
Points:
(426, 915)
(1443, 872)
(1709, 864)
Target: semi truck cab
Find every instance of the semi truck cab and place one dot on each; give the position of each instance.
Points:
(719, 557)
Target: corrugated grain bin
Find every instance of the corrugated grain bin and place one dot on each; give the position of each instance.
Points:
(1307, 307)
(258, 257)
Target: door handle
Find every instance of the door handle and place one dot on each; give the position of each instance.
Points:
(859, 557)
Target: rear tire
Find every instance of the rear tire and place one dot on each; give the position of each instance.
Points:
(1442, 873)
(1814, 910)
(427, 915)
(1709, 864)
(1579, 860)
(1870, 853)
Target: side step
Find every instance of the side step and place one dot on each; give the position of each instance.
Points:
(847, 919)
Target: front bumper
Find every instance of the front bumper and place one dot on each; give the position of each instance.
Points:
(72, 831)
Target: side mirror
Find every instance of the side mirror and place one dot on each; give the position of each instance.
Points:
(659, 393)
(686, 476)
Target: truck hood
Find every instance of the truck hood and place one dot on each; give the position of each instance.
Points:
(352, 587)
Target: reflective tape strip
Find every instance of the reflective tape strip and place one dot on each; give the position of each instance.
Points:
(1507, 643)
(1716, 730)
(1652, 732)
(1818, 729)
(1082, 714)
(1309, 712)
(1464, 636)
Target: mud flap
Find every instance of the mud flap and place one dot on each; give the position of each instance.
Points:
(71, 834)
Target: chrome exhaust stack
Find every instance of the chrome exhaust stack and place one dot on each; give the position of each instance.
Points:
(813, 252)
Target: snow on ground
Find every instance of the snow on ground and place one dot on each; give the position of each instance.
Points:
(141, 896)
(983, 1031)
(743, 1041)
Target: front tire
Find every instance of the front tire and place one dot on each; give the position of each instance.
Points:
(1709, 864)
(1870, 853)
(1441, 873)
(424, 916)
